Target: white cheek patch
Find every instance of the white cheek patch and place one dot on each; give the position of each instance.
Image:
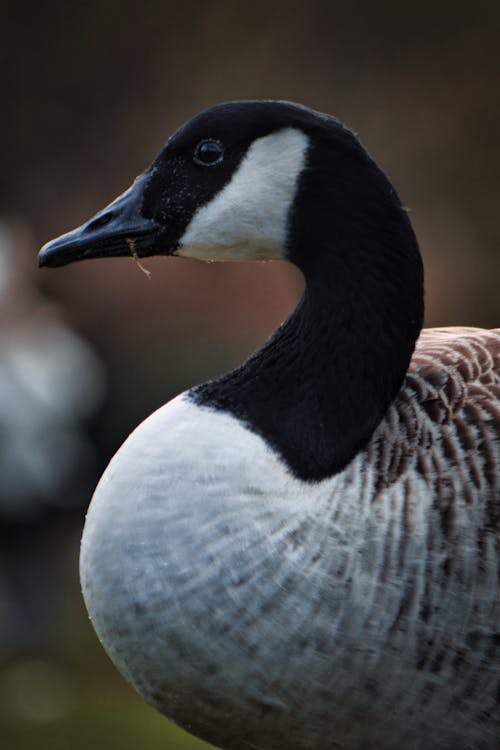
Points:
(247, 219)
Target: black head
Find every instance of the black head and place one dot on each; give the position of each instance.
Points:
(226, 186)
(262, 180)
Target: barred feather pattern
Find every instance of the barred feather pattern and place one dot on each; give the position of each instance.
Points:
(437, 459)
(361, 612)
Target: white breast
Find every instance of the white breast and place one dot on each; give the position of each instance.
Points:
(241, 601)
(221, 585)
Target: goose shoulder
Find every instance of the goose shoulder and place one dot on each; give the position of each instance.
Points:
(444, 425)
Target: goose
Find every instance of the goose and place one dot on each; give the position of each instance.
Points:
(304, 552)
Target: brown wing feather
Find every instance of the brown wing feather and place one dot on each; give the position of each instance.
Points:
(440, 442)
(446, 419)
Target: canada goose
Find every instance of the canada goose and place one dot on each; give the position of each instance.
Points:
(304, 552)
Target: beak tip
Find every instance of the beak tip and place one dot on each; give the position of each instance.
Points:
(48, 255)
(110, 233)
(42, 258)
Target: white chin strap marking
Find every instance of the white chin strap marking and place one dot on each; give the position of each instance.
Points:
(247, 219)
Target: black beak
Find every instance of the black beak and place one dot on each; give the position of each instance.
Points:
(120, 229)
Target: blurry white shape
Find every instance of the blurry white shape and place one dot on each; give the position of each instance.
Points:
(56, 368)
(49, 380)
(5, 257)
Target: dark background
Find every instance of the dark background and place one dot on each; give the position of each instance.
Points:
(90, 92)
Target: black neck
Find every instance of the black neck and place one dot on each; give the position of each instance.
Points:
(319, 387)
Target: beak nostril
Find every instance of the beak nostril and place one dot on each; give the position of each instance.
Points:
(100, 221)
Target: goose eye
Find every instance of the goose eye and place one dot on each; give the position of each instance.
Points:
(209, 152)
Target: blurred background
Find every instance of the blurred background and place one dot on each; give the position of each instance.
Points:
(91, 92)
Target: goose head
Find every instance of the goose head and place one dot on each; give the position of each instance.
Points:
(251, 180)
(262, 180)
